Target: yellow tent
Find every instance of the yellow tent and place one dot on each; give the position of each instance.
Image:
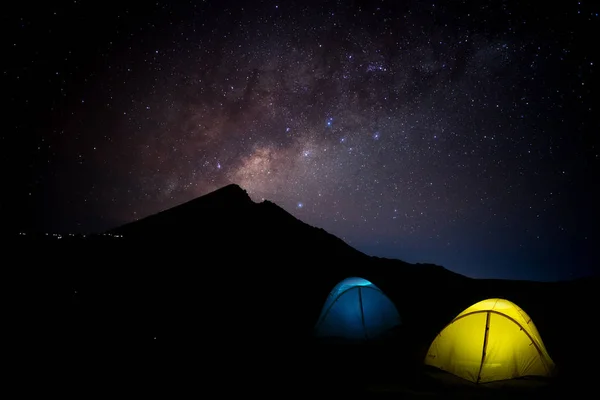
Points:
(490, 341)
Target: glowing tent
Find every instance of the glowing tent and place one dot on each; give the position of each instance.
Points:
(490, 341)
(357, 310)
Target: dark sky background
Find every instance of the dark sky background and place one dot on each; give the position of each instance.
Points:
(453, 132)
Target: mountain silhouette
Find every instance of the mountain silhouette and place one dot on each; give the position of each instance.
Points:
(228, 223)
(227, 218)
(261, 242)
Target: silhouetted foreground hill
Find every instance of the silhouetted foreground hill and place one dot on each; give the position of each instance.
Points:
(222, 281)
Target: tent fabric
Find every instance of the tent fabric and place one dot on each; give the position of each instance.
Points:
(490, 341)
(356, 309)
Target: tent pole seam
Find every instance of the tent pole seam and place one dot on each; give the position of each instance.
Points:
(485, 342)
(362, 313)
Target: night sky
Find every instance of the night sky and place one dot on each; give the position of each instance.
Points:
(452, 132)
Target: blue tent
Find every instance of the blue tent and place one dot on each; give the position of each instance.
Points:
(358, 310)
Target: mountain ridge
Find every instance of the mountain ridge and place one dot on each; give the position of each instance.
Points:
(230, 208)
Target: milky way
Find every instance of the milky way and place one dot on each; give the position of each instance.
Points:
(431, 133)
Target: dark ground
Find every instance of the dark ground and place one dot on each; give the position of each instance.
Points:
(347, 371)
(157, 327)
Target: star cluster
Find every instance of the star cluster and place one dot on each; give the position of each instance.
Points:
(445, 132)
